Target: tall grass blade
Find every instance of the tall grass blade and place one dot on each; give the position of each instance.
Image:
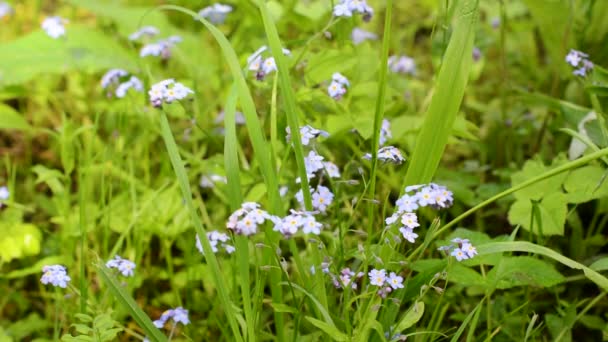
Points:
(465, 323)
(448, 94)
(127, 301)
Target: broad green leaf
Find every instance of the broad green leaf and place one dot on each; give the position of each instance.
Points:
(524, 271)
(83, 49)
(527, 247)
(329, 329)
(448, 94)
(321, 66)
(553, 209)
(600, 265)
(466, 276)
(11, 119)
(586, 183)
(411, 317)
(538, 190)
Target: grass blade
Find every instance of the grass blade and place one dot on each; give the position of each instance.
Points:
(127, 301)
(448, 94)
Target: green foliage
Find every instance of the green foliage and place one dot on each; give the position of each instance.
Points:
(100, 328)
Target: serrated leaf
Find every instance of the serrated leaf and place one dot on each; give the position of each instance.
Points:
(524, 271)
(586, 183)
(553, 209)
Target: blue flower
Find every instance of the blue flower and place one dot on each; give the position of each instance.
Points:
(179, 315)
(56, 275)
(124, 266)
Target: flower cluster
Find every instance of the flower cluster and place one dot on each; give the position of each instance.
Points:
(4, 194)
(215, 13)
(161, 48)
(580, 61)
(215, 238)
(296, 220)
(168, 91)
(402, 65)
(307, 133)
(346, 8)
(321, 198)
(385, 132)
(358, 36)
(112, 80)
(5, 9)
(313, 162)
(388, 154)
(145, 31)
(347, 278)
(417, 196)
(246, 219)
(124, 266)
(386, 284)
(178, 315)
(56, 275)
(208, 181)
(263, 66)
(338, 85)
(461, 249)
(54, 26)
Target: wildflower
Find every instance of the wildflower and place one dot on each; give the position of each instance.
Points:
(290, 224)
(245, 220)
(332, 169)
(178, 315)
(411, 188)
(215, 13)
(476, 54)
(239, 118)
(358, 36)
(388, 154)
(209, 180)
(133, 82)
(54, 26)
(346, 8)
(124, 266)
(307, 133)
(5, 9)
(342, 10)
(283, 190)
(425, 197)
(377, 277)
(338, 85)
(408, 234)
(395, 281)
(579, 60)
(407, 203)
(168, 91)
(313, 163)
(4, 194)
(56, 275)
(385, 132)
(461, 249)
(161, 48)
(215, 238)
(402, 65)
(112, 77)
(409, 220)
(263, 66)
(321, 198)
(148, 31)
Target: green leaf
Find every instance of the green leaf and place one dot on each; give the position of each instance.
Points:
(527, 247)
(11, 119)
(585, 184)
(83, 49)
(448, 94)
(538, 190)
(524, 271)
(553, 209)
(321, 66)
(18, 241)
(411, 317)
(466, 276)
(600, 265)
(278, 307)
(329, 329)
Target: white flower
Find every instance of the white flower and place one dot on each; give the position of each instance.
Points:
(358, 36)
(332, 169)
(408, 234)
(56, 275)
(262, 67)
(313, 162)
(307, 133)
(336, 90)
(338, 77)
(161, 48)
(168, 91)
(402, 64)
(245, 220)
(407, 203)
(4, 193)
(53, 26)
(459, 254)
(385, 132)
(112, 76)
(255, 64)
(395, 281)
(469, 249)
(342, 10)
(410, 220)
(149, 31)
(311, 226)
(215, 238)
(124, 266)
(322, 198)
(377, 277)
(216, 13)
(5, 9)
(425, 197)
(269, 65)
(133, 82)
(388, 154)
(580, 61)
